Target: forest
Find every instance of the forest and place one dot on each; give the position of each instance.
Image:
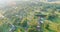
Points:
(30, 17)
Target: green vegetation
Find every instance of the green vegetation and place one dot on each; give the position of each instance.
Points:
(23, 17)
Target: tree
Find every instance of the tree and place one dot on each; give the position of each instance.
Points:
(32, 30)
(24, 23)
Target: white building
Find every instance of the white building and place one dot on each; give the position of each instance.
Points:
(1, 16)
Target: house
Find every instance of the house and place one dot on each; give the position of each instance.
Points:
(1, 16)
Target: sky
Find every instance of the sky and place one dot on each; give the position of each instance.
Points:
(4, 2)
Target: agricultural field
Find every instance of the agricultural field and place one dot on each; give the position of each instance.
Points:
(30, 16)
